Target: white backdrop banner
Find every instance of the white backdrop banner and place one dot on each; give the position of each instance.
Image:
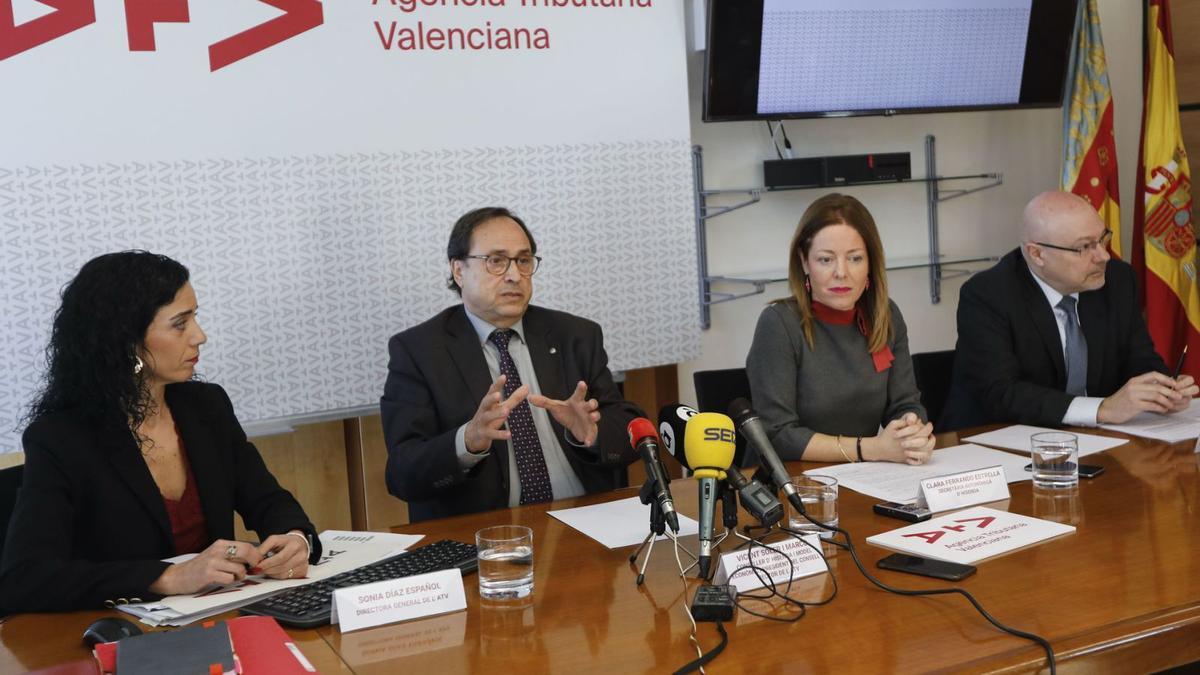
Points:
(306, 161)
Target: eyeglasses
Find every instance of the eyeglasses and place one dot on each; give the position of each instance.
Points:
(498, 264)
(1087, 249)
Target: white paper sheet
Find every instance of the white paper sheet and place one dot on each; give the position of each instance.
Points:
(1181, 426)
(1017, 436)
(970, 536)
(340, 551)
(615, 524)
(895, 482)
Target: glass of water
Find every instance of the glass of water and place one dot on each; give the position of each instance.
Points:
(819, 494)
(1055, 457)
(505, 562)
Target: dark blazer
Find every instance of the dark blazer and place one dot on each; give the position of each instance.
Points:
(1009, 361)
(437, 375)
(90, 524)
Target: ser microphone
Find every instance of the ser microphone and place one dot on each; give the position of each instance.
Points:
(709, 444)
(756, 498)
(672, 429)
(644, 439)
(752, 428)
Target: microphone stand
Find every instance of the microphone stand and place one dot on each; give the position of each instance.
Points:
(658, 528)
(729, 519)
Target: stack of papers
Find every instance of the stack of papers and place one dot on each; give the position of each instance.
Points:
(895, 482)
(1173, 428)
(1017, 436)
(341, 551)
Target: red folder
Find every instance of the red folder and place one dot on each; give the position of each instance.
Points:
(259, 646)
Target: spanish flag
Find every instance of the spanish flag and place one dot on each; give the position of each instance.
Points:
(1164, 241)
(1089, 148)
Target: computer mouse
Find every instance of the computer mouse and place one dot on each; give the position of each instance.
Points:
(109, 629)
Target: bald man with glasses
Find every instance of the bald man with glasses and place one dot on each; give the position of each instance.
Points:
(496, 402)
(1053, 334)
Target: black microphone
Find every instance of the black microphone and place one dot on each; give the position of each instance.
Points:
(758, 501)
(643, 438)
(751, 427)
(672, 428)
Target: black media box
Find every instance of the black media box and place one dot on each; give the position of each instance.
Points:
(810, 172)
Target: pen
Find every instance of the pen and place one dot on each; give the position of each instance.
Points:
(1179, 365)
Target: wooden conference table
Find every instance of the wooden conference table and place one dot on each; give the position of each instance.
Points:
(1122, 594)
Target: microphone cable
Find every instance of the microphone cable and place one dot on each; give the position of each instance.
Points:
(849, 545)
(773, 589)
(702, 657)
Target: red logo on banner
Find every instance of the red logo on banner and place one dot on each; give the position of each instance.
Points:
(301, 15)
(68, 17)
(142, 15)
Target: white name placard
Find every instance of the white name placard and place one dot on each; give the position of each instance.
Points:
(805, 560)
(958, 490)
(395, 600)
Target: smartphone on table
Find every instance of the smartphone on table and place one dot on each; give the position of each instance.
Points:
(938, 569)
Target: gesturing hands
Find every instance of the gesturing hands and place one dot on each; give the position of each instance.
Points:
(578, 415)
(488, 423)
(1152, 392)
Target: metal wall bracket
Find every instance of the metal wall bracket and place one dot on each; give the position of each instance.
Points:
(934, 196)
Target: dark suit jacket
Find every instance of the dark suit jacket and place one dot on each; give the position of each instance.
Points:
(437, 376)
(90, 524)
(1009, 361)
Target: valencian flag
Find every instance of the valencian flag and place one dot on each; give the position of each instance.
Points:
(1089, 148)
(1164, 241)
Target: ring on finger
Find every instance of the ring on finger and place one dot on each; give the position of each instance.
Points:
(231, 551)
(291, 572)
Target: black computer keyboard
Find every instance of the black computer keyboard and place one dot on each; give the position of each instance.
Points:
(310, 606)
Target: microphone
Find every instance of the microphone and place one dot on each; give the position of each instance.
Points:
(709, 442)
(758, 501)
(672, 428)
(752, 428)
(644, 439)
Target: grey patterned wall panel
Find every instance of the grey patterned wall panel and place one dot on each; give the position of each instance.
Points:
(305, 265)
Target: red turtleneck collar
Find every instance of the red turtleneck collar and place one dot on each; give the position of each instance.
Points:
(844, 317)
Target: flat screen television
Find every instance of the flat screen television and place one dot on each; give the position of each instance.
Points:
(775, 59)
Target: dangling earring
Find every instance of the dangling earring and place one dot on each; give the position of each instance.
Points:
(868, 283)
(807, 285)
(137, 365)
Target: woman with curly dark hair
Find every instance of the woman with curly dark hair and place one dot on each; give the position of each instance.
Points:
(129, 460)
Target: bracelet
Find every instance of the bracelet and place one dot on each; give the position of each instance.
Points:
(843, 450)
(304, 538)
(858, 446)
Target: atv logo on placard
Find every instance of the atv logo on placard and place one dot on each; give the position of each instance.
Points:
(141, 16)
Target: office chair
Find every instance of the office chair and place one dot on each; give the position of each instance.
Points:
(932, 371)
(715, 390)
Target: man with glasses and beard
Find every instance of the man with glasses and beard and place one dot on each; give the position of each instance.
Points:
(495, 402)
(1053, 334)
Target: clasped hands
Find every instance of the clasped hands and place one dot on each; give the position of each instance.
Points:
(280, 556)
(1148, 392)
(578, 415)
(904, 439)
